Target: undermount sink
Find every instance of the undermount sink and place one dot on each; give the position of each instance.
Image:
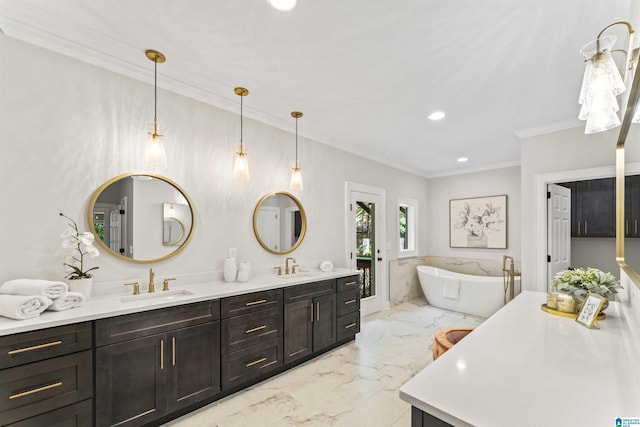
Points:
(158, 296)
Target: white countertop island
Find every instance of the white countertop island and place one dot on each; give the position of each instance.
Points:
(525, 367)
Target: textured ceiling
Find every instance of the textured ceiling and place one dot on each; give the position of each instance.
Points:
(366, 73)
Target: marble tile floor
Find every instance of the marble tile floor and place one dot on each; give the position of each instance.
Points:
(353, 385)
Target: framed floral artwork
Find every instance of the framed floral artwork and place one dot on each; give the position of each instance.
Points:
(479, 222)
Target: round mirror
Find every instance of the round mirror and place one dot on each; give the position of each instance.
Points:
(279, 222)
(141, 217)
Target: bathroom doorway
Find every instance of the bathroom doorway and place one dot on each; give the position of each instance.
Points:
(365, 244)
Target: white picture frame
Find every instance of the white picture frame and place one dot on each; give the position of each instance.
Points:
(590, 310)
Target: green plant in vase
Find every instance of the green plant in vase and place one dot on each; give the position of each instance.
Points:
(580, 281)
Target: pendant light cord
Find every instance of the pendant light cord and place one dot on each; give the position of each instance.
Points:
(155, 93)
(296, 143)
(241, 123)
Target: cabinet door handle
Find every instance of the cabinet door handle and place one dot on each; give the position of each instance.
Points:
(255, 362)
(161, 354)
(578, 228)
(259, 328)
(585, 228)
(35, 347)
(311, 311)
(350, 283)
(626, 226)
(635, 226)
(350, 325)
(262, 301)
(351, 301)
(173, 351)
(318, 311)
(35, 390)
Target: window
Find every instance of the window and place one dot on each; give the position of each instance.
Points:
(407, 227)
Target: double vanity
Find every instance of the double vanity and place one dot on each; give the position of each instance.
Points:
(132, 360)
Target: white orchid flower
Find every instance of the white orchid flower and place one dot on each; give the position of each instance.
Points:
(86, 238)
(69, 242)
(92, 251)
(68, 232)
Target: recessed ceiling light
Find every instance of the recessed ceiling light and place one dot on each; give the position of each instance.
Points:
(436, 115)
(462, 159)
(283, 4)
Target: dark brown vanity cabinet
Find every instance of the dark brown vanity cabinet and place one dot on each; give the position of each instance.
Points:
(46, 377)
(632, 206)
(252, 336)
(153, 363)
(348, 307)
(309, 318)
(593, 209)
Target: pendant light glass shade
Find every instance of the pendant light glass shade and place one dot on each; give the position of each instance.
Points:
(155, 154)
(241, 163)
(295, 182)
(283, 4)
(601, 83)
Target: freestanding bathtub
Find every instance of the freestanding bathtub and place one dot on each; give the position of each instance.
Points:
(477, 295)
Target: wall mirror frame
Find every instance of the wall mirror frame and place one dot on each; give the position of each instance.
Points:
(629, 112)
(279, 222)
(155, 191)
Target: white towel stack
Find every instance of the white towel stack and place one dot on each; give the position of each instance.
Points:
(21, 307)
(27, 298)
(30, 287)
(67, 301)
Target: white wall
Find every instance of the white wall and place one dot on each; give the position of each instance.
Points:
(479, 184)
(67, 127)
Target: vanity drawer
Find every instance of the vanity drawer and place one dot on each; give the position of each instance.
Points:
(252, 362)
(33, 346)
(77, 415)
(309, 290)
(40, 387)
(348, 283)
(249, 329)
(249, 303)
(347, 302)
(348, 325)
(131, 326)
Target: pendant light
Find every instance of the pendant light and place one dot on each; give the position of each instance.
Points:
(155, 154)
(296, 173)
(241, 165)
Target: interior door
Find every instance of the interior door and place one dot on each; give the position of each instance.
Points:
(365, 245)
(558, 230)
(268, 222)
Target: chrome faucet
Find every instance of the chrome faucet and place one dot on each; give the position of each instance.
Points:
(286, 265)
(152, 286)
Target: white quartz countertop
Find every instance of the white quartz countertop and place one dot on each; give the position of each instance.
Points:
(525, 367)
(125, 303)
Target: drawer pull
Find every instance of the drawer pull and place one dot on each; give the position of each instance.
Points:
(261, 301)
(350, 283)
(35, 347)
(35, 390)
(248, 331)
(255, 362)
(173, 351)
(351, 301)
(350, 325)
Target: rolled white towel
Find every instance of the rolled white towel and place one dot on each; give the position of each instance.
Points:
(29, 287)
(67, 301)
(21, 307)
